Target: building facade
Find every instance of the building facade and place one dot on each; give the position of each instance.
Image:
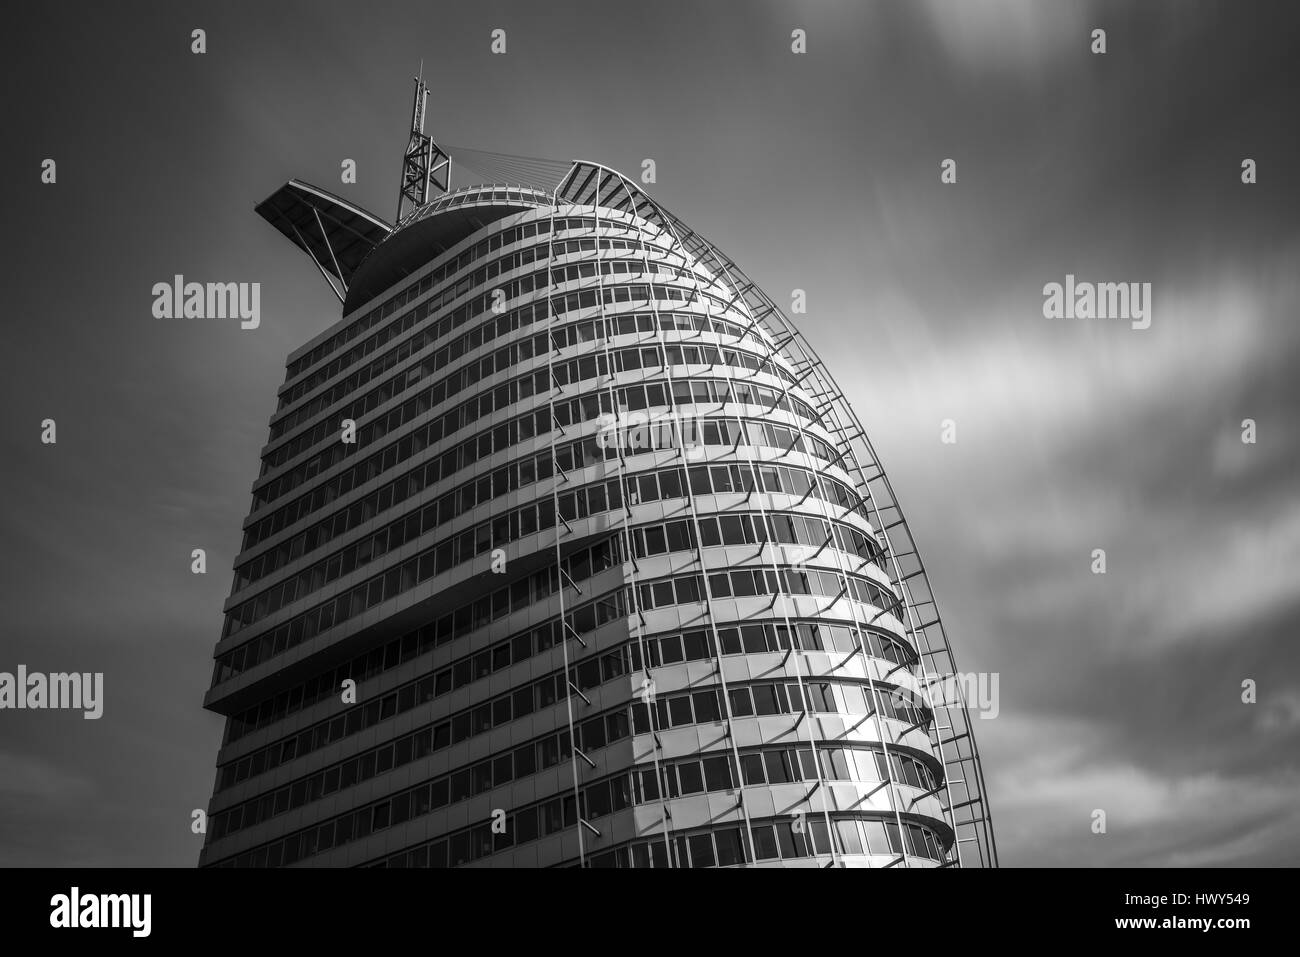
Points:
(567, 551)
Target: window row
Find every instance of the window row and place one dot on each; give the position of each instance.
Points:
(524, 826)
(672, 432)
(774, 698)
(576, 410)
(442, 467)
(786, 529)
(499, 362)
(543, 281)
(448, 353)
(645, 487)
(394, 653)
(704, 774)
(714, 772)
(751, 582)
(642, 487)
(681, 709)
(535, 516)
(507, 324)
(695, 645)
(497, 770)
(578, 454)
(460, 674)
(520, 473)
(773, 840)
(682, 590)
(725, 477)
(337, 610)
(505, 237)
(704, 706)
(283, 484)
(477, 308)
(748, 528)
(538, 515)
(755, 638)
(765, 766)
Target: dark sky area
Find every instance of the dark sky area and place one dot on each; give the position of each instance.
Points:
(819, 171)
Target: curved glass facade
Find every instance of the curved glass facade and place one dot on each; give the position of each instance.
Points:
(600, 582)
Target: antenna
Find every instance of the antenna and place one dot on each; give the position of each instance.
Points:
(424, 163)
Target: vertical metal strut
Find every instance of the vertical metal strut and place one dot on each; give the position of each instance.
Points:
(557, 476)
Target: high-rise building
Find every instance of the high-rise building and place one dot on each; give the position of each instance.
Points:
(567, 550)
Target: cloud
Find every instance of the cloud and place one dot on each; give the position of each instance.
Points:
(1057, 772)
(24, 778)
(1078, 436)
(1279, 712)
(1007, 35)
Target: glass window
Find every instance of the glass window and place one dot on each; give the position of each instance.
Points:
(874, 831)
(706, 706)
(670, 482)
(790, 841)
(854, 700)
(778, 767)
(525, 760)
(702, 851)
(656, 541)
(765, 843)
(732, 532)
(460, 784)
(765, 701)
(808, 764)
(691, 778)
(731, 846)
(717, 773)
(525, 825)
(729, 637)
(850, 837)
(741, 704)
(755, 640)
(838, 764)
(679, 538)
(598, 804)
(821, 837)
(671, 650)
(697, 648)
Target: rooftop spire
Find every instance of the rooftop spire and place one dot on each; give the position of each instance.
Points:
(424, 164)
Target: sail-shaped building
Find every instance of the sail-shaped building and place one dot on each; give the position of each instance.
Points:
(567, 550)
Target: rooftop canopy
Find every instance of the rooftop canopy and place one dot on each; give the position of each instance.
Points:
(336, 234)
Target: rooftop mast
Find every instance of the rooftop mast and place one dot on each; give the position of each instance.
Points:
(425, 163)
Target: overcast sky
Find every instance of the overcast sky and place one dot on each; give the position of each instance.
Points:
(819, 171)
